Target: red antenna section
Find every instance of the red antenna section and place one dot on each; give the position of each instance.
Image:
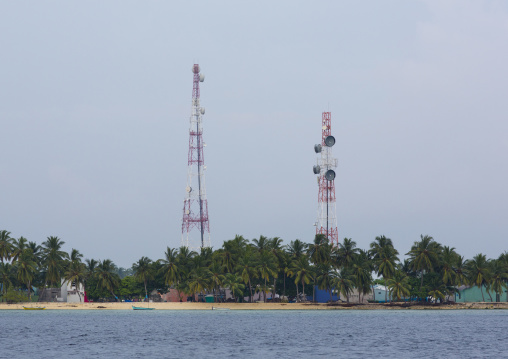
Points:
(327, 210)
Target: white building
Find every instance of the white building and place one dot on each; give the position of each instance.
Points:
(70, 294)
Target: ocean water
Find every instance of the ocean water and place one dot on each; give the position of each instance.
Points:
(248, 334)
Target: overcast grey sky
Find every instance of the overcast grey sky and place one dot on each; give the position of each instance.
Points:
(95, 99)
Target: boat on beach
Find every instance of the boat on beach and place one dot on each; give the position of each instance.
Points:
(142, 308)
(34, 308)
(215, 308)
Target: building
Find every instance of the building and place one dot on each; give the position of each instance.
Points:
(323, 296)
(67, 293)
(174, 296)
(474, 294)
(70, 293)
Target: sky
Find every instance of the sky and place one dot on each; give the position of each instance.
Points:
(95, 99)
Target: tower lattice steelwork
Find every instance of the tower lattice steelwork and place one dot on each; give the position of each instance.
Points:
(327, 210)
(195, 225)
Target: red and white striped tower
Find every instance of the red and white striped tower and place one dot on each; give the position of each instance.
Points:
(195, 226)
(327, 210)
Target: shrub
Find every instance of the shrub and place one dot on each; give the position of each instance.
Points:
(15, 296)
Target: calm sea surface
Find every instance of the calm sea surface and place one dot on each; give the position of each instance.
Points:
(286, 334)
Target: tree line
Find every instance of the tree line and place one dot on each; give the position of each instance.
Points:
(263, 265)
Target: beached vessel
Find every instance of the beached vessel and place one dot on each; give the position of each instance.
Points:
(142, 308)
(215, 308)
(34, 308)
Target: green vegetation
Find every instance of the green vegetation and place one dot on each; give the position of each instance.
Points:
(15, 296)
(263, 265)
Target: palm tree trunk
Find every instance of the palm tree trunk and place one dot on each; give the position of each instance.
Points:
(297, 296)
(146, 292)
(386, 291)
(314, 290)
(284, 276)
(43, 290)
(488, 292)
(303, 291)
(250, 288)
(264, 292)
(273, 290)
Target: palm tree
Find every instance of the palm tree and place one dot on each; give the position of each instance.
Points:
(76, 273)
(19, 245)
(267, 266)
(319, 252)
(107, 278)
(234, 283)
(424, 255)
(437, 289)
(169, 267)
(248, 270)
(296, 248)
(261, 244)
(361, 268)
(37, 252)
(285, 267)
(478, 271)
(275, 247)
(75, 256)
(143, 271)
(6, 246)
(343, 283)
(26, 268)
(6, 270)
(448, 260)
(53, 259)
(302, 272)
(399, 285)
(384, 257)
(199, 280)
(503, 259)
(346, 252)
(227, 256)
(325, 276)
(498, 277)
(460, 270)
(238, 245)
(217, 277)
(91, 268)
(184, 260)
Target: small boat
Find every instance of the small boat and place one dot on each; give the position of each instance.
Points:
(142, 308)
(34, 308)
(215, 308)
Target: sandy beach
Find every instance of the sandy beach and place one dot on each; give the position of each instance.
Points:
(251, 306)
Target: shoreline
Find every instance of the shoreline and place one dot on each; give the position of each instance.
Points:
(253, 306)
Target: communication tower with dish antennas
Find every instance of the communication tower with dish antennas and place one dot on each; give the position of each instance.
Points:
(327, 210)
(195, 225)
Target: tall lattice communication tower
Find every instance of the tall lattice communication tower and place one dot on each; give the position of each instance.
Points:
(327, 209)
(195, 225)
